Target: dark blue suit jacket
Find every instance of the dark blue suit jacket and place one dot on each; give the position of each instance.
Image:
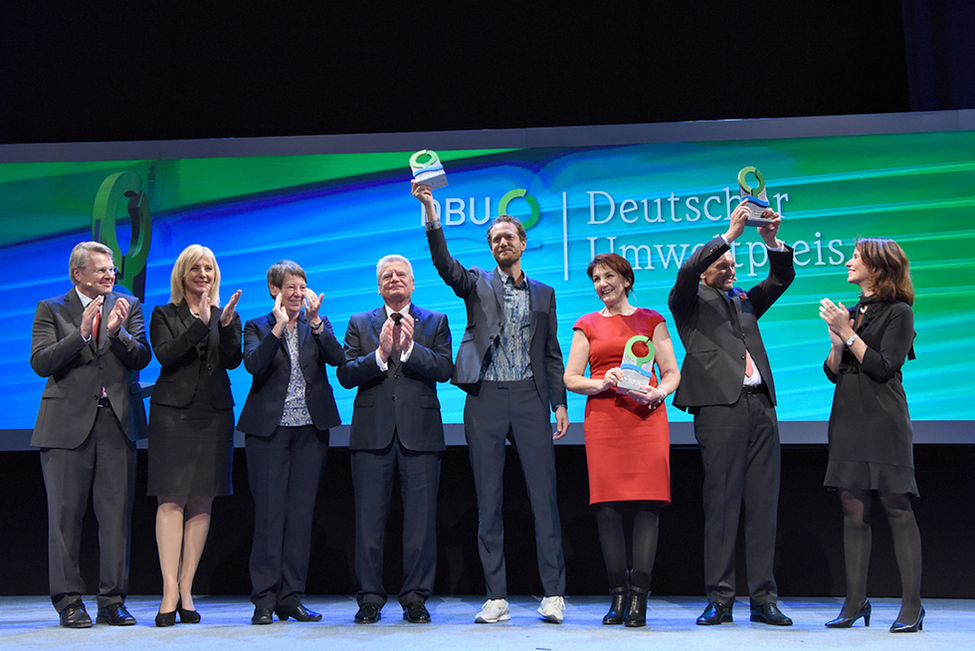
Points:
(484, 296)
(266, 358)
(406, 400)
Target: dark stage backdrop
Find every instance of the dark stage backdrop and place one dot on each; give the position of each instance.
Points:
(809, 558)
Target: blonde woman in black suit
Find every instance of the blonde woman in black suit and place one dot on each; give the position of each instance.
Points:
(191, 422)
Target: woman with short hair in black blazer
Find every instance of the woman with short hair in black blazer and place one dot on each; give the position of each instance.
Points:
(191, 422)
(286, 419)
(870, 434)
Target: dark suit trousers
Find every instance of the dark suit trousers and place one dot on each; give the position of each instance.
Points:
(500, 411)
(372, 476)
(103, 465)
(740, 449)
(283, 471)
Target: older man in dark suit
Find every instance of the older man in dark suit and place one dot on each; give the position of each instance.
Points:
(90, 344)
(510, 365)
(395, 355)
(726, 383)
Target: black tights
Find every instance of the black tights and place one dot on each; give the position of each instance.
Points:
(612, 537)
(857, 540)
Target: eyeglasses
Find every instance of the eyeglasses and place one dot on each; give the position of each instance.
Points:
(103, 271)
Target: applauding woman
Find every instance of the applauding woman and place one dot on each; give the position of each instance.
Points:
(627, 433)
(870, 435)
(286, 419)
(191, 421)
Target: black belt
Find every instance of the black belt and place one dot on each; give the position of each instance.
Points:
(103, 402)
(753, 388)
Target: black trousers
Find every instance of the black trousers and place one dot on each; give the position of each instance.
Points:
(283, 471)
(740, 449)
(372, 477)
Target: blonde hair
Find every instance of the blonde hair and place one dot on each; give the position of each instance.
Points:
(189, 257)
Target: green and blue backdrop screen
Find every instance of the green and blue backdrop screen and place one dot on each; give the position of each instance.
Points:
(651, 196)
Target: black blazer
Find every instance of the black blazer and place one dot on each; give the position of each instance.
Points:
(715, 328)
(484, 296)
(76, 370)
(174, 334)
(266, 358)
(406, 400)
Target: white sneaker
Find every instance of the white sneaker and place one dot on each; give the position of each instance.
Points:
(551, 609)
(493, 610)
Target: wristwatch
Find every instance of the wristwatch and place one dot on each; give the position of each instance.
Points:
(849, 342)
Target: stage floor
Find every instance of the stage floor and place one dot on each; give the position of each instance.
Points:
(31, 623)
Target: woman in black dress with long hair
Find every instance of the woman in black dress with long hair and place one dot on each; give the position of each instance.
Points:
(870, 435)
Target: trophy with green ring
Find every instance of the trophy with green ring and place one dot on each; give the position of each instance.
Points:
(637, 371)
(755, 200)
(427, 169)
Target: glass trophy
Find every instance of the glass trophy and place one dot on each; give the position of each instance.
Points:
(427, 169)
(755, 200)
(637, 371)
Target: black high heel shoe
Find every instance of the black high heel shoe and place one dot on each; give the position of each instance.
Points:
(918, 625)
(847, 622)
(166, 619)
(187, 616)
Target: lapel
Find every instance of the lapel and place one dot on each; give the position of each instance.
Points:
(76, 311)
(498, 288)
(107, 306)
(377, 319)
(533, 299)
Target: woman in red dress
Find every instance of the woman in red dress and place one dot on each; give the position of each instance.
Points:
(627, 434)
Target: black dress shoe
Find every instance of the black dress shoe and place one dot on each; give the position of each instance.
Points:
(368, 614)
(262, 616)
(166, 619)
(298, 613)
(187, 616)
(715, 613)
(770, 614)
(115, 615)
(416, 612)
(74, 615)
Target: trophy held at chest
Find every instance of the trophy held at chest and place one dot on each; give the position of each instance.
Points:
(637, 371)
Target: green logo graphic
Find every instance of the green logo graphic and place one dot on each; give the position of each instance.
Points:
(521, 193)
(132, 264)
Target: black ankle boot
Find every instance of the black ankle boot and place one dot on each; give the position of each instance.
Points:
(618, 592)
(636, 607)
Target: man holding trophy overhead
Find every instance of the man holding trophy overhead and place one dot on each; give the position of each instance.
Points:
(727, 386)
(510, 364)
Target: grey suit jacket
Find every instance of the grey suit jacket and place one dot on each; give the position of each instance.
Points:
(76, 371)
(716, 328)
(405, 399)
(484, 296)
(266, 358)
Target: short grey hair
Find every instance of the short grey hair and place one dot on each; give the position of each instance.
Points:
(80, 254)
(281, 268)
(386, 259)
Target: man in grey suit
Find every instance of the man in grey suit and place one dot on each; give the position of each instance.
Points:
(395, 355)
(726, 383)
(510, 364)
(90, 344)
